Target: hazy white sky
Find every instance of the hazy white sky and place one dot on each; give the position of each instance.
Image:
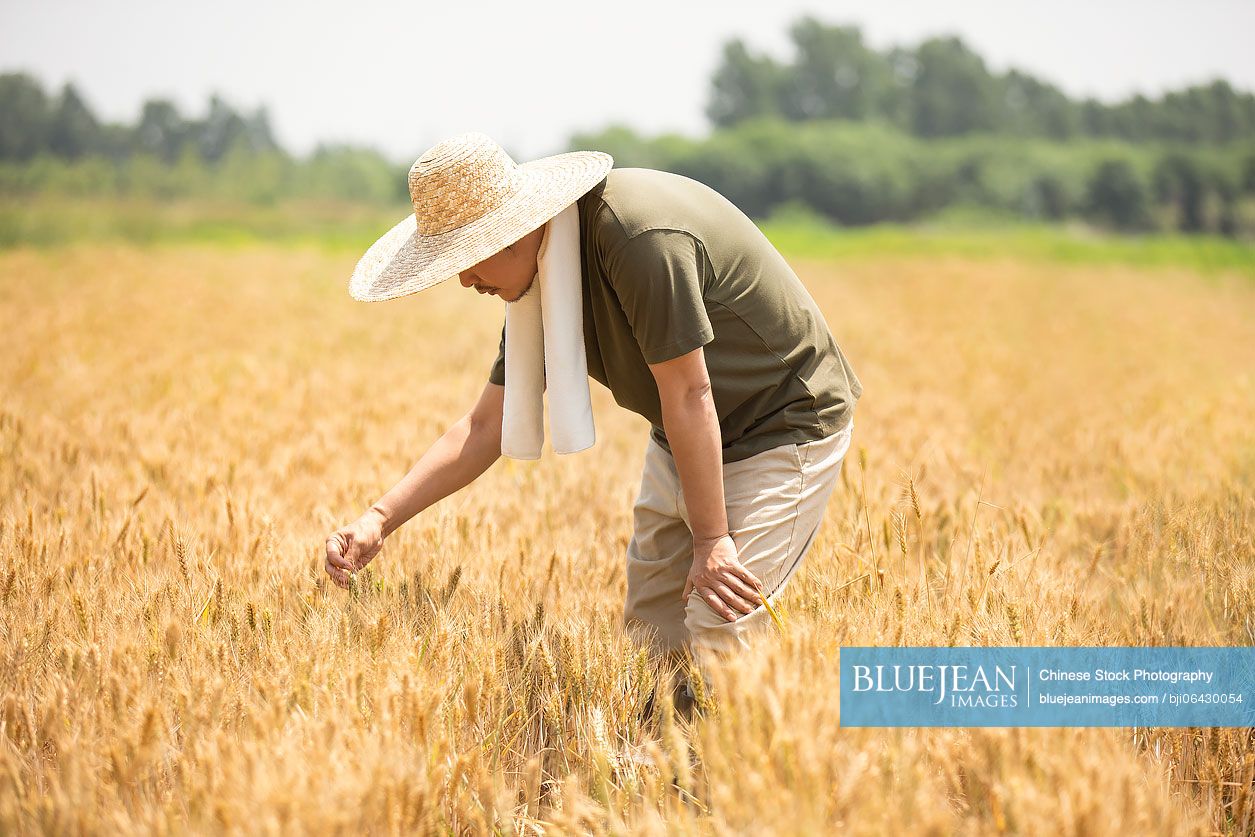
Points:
(402, 75)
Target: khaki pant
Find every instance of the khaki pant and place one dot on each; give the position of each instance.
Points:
(775, 502)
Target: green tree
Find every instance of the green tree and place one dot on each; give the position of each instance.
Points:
(25, 114)
(1248, 175)
(1047, 197)
(743, 86)
(72, 130)
(224, 127)
(1227, 211)
(952, 93)
(161, 130)
(1178, 180)
(352, 172)
(1115, 195)
(1034, 108)
(1212, 113)
(834, 75)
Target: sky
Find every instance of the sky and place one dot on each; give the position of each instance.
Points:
(401, 76)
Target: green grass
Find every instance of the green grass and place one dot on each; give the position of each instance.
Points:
(338, 226)
(984, 235)
(52, 222)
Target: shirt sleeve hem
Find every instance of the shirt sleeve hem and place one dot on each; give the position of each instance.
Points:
(686, 344)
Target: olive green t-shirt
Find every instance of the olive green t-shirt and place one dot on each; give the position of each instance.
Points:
(670, 264)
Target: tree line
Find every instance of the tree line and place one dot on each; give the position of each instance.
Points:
(57, 145)
(942, 88)
(863, 173)
(840, 131)
(33, 122)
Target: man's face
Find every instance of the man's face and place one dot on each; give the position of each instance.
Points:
(508, 273)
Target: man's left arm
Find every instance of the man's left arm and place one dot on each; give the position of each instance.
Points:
(692, 427)
(660, 277)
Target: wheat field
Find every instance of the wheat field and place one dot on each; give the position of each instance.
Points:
(1044, 454)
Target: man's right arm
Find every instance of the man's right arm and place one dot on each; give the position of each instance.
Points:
(456, 459)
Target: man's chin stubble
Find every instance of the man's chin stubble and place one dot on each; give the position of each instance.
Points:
(526, 290)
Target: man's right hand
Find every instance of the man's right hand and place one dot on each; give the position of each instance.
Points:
(350, 548)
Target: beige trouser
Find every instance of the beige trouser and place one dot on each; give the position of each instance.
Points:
(775, 501)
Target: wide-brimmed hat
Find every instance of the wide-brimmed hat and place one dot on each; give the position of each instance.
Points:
(470, 201)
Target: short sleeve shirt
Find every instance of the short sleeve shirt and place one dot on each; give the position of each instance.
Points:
(669, 265)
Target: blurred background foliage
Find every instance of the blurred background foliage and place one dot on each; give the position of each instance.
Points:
(842, 134)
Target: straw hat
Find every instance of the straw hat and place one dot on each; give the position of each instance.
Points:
(470, 201)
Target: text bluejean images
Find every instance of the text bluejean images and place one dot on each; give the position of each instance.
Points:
(1048, 686)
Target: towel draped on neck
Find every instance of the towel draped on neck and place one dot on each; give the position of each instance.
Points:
(544, 351)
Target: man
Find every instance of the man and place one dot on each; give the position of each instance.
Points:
(693, 320)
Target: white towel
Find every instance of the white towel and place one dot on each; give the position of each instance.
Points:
(544, 343)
